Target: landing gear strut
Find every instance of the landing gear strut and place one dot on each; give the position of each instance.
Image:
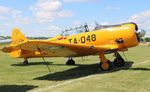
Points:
(25, 62)
(105, 64)
(70, 61)
(118, 61)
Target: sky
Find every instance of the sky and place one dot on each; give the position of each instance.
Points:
(49, 17)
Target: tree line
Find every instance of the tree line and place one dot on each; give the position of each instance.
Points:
(8, 37)
(146, 39)
(5, 37)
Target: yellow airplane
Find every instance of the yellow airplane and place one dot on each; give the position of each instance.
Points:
(103, 40)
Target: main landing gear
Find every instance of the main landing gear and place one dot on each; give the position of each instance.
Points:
(25, 62)
(118, 61)
(105, 64)
(70, 61)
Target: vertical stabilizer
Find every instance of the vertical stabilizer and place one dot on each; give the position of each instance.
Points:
(17, 36)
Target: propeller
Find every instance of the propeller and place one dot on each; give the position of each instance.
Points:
(140, 33)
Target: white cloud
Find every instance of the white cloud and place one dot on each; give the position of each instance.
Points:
(112, 8)
(9, 14)
(48, 10)
(49, 31)
(4, 10)
(19, 18)
(9, 18)
(79, 1)
(4, 26)
(5, 29)
(143, 20)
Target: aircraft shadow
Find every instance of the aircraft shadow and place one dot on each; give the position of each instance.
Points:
(77, 72)
(16, 88)
(143, 69)
(32, 63)
(84, 70)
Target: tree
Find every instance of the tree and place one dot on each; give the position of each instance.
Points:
(147, 39)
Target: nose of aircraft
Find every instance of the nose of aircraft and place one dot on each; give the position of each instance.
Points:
(141, 32)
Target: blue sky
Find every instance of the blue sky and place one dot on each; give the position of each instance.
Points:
(50, 17)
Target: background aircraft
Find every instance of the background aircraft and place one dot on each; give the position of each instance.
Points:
(103, 40)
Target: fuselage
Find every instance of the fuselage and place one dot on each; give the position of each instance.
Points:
(124, 36)
(106, 36)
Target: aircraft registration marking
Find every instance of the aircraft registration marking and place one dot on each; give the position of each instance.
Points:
(83, 39)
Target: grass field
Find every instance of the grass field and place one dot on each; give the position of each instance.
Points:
(83, 77)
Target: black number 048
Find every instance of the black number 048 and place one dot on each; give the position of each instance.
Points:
(89, 38)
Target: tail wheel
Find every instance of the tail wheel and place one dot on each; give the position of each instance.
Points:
(25, 62)
(105, 65)
(70, 62)
(119, 62)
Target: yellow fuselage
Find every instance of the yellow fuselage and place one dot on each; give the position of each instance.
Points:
(106, 36)
(123, 36)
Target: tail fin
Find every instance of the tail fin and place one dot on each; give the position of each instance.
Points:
(17, 36)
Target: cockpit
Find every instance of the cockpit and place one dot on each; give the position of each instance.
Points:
(85, 28)
(76, 30)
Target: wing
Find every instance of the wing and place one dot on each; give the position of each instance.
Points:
(53, 48)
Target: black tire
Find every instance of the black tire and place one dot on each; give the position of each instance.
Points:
(119, 62)
(25, 62)
(70, 62)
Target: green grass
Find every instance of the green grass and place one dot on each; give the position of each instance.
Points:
(83, 77)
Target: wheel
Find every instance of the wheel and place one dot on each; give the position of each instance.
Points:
(119, 62)
(70, 62)
(105, 65)
(25, 62)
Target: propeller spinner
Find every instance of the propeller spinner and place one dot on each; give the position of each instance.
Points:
(141, 32)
